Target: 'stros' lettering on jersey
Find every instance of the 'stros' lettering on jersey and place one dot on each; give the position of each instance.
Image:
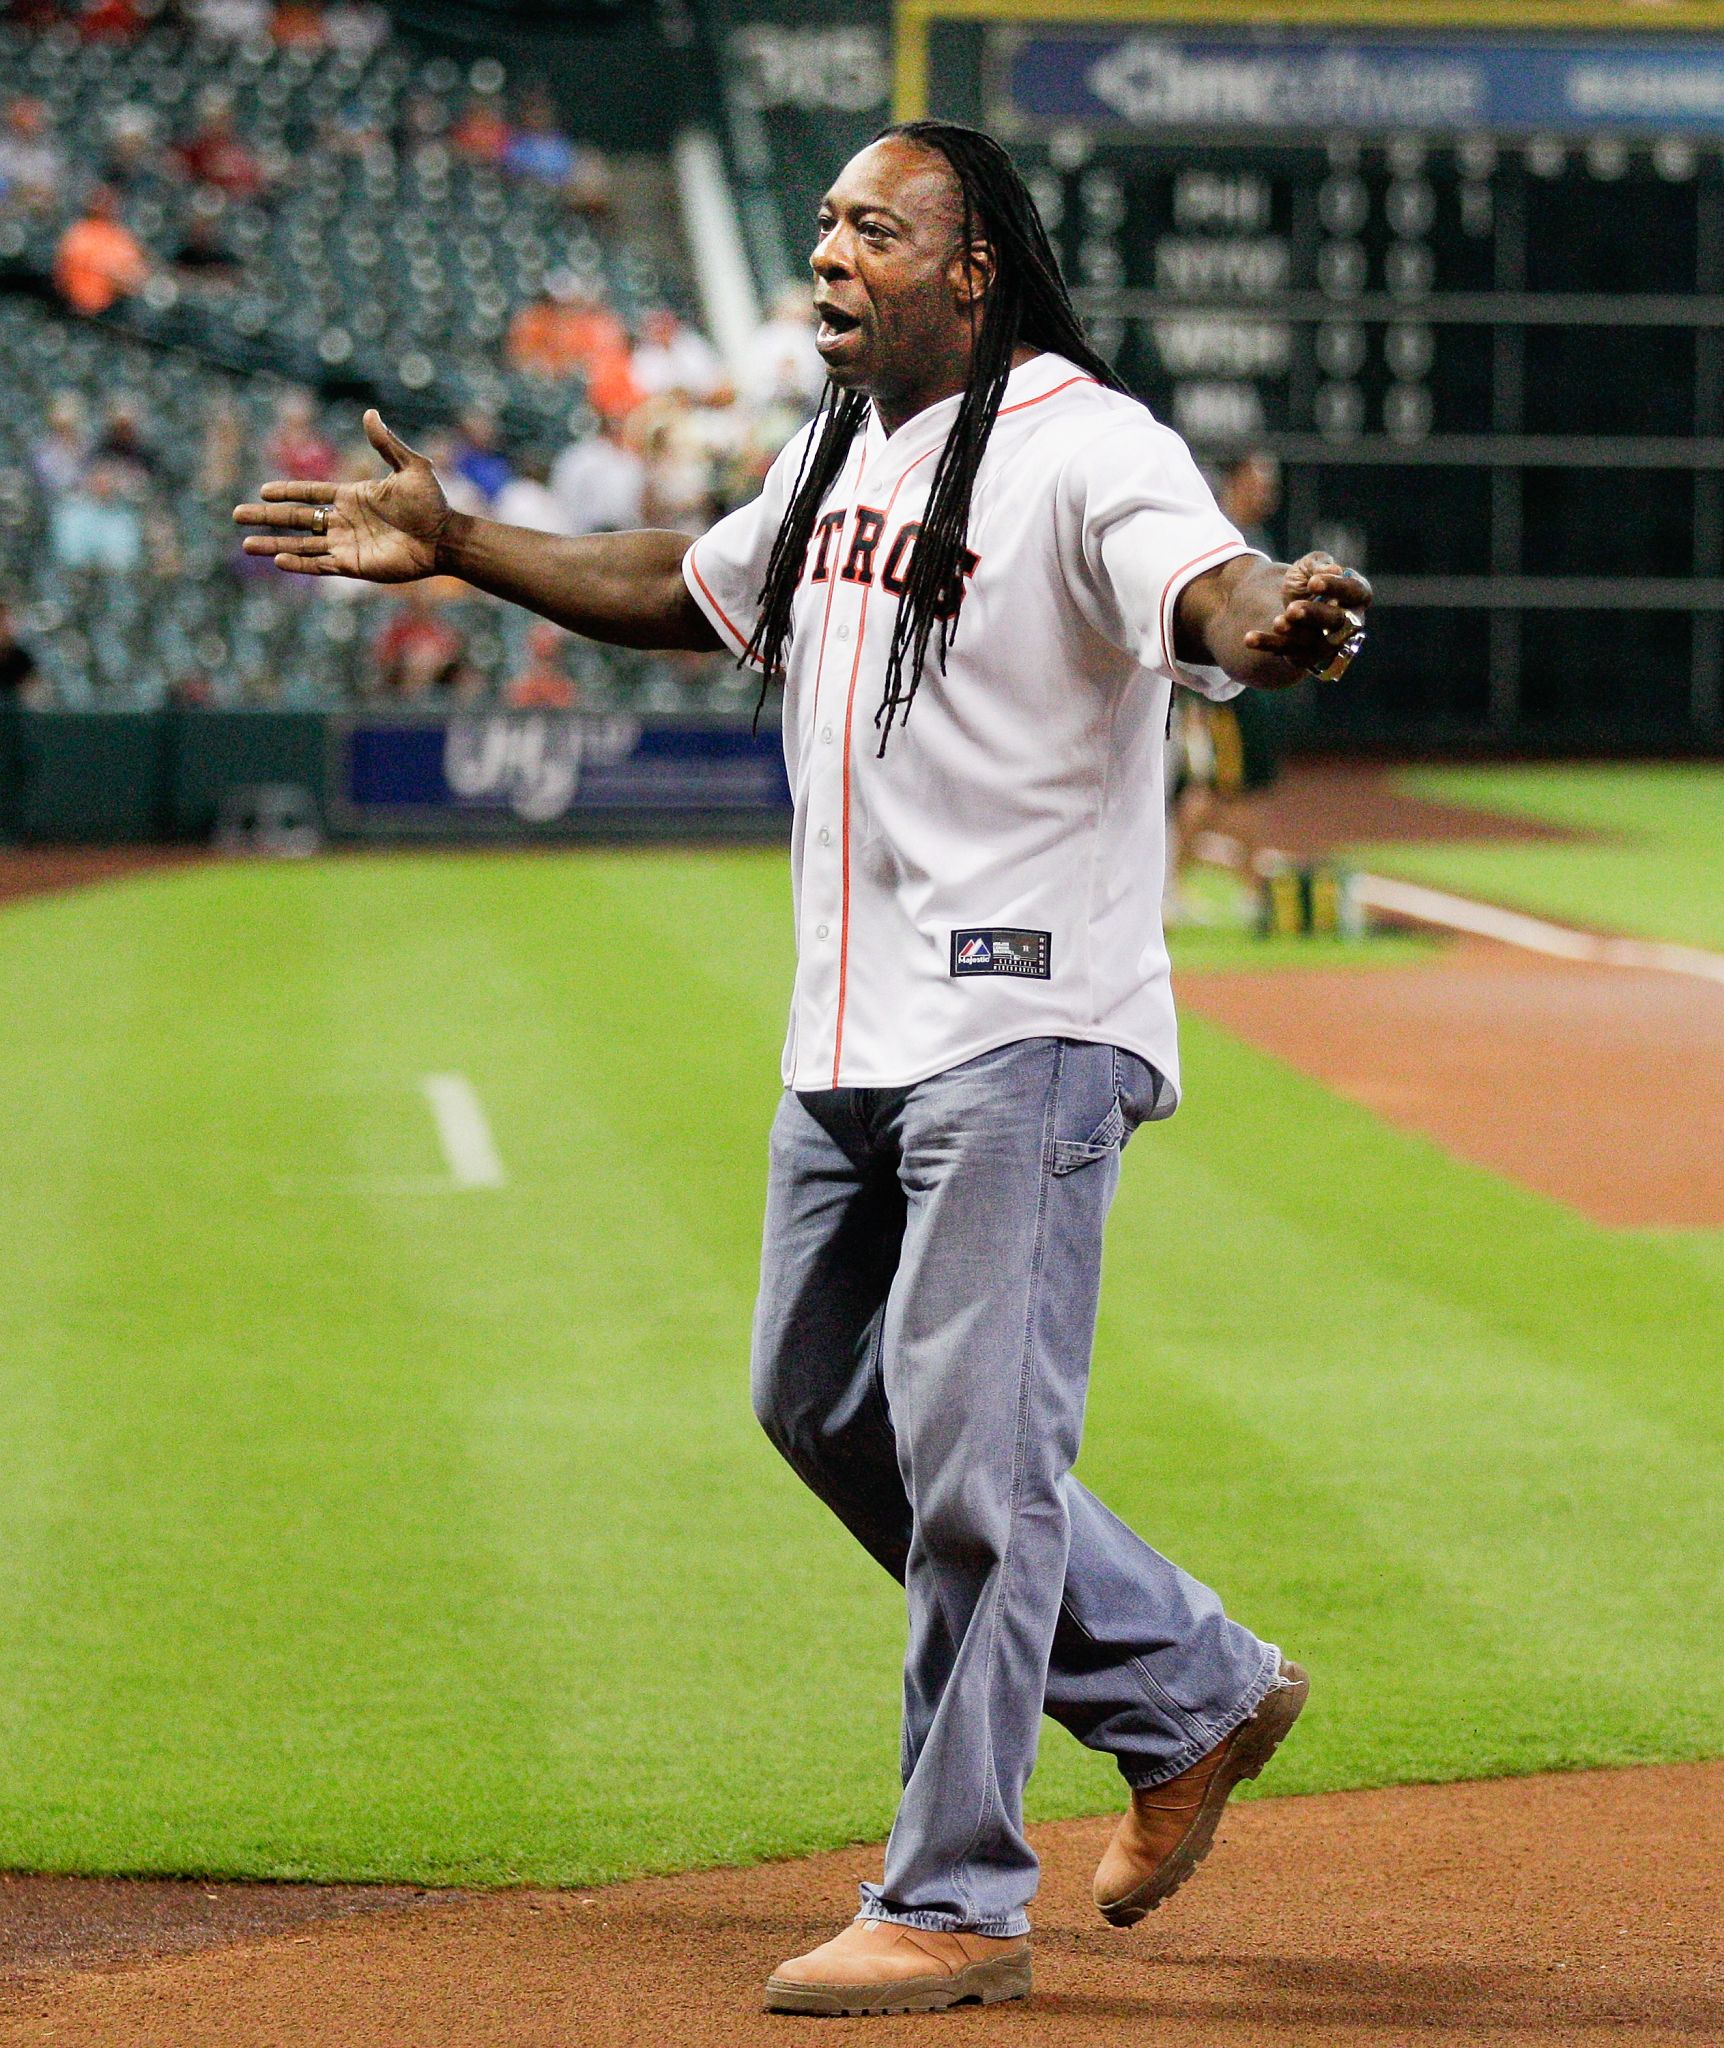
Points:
(864, 551)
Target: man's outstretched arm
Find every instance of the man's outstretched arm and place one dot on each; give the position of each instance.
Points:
(1268, 623)
(625, 588)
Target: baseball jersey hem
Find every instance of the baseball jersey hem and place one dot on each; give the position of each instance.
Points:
(992, 1042)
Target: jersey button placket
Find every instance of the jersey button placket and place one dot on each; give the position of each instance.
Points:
(823, 884)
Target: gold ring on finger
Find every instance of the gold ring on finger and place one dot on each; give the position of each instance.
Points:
(1351, 623)
(320, 520)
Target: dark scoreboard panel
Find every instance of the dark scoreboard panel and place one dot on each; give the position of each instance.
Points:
(1488, 357)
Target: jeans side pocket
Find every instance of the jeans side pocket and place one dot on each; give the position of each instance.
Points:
(1067, 1155)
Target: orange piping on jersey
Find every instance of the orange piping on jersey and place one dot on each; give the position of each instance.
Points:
(1226, 549)
(850, 705)
(740, 638)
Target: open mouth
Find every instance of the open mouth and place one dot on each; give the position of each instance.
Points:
(835, 323)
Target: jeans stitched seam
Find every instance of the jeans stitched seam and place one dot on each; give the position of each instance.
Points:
(1159, 1696)
(1252, 1698)
(1049, 1119)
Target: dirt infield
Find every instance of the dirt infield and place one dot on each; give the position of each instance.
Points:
(1542, 1912)
(1600, 1087)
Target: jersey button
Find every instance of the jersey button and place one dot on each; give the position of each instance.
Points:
(826, 734)
(821, 930)
(825, 836)
(844, 632)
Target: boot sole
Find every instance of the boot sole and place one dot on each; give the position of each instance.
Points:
(1256, 1742)
(975, 1984)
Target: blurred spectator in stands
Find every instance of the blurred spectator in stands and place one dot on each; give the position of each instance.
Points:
(481, 133)
(357, 27)
(20, 678)
(477, 458)
(32, 163)
(418, 651)
(226, 454)
(527, 499)
(426, 119)
(213, 154)
(538, 150)
(600, 482)
(93, 527)
(294, 447)
(679, 480)
(672, 356)
(110, 21)
(58, 457)
(566, 331)
(203, 255)
(783, 367)
(125, 449)
(132, 163)
(231, 21)
(1250, 495)
(99, 259)
(544, 684)
(297, 25)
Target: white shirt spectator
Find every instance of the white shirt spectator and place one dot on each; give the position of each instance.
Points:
(234, 21)
(673, 357)
(600, 485)
(524, 501)
(783, 366)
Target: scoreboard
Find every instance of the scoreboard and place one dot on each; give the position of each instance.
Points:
(1470, 292)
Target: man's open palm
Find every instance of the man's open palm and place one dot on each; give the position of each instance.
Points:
(384, 531)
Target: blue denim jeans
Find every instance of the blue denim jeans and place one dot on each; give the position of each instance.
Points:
(921, 1356)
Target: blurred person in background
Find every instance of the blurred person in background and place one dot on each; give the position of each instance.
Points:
(528, 500)
(783, 367)
(418, 651)
(202, 256)
(482, 133)
(132, 162)
(32, 163)
(295, 444)
(213, 154)
(231, 21)
(110, 21)
(564, 332)
(476, 456)
(99, 260)
(125, 448)
(544, 684)
(600, 481)
(1219, 755)
(672, 356)
(680, 494)
(58, 457)
(93, 527)
(20, 676)
(357, 27)
(298, 25)
(537, 149)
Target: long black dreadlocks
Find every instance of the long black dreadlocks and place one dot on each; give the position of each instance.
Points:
(1026, 302)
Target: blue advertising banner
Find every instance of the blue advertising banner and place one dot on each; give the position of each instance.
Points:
(1142, 80)
(514, 773)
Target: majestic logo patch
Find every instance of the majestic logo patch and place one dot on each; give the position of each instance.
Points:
(1019, 953)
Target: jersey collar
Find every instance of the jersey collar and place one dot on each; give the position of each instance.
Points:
(928, 428)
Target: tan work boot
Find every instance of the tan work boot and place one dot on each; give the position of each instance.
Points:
(1168, 1829)
(878, 1966)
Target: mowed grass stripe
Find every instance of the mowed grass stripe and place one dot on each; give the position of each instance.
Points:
(1651, 871)
(429, 1535)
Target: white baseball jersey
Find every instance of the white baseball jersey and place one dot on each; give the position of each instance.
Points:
(997, 873)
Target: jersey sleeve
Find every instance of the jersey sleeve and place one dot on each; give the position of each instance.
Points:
(1142, 524)
(725, 568)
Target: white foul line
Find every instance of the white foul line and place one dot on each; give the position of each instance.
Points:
(1533, 934)
(466, 1137)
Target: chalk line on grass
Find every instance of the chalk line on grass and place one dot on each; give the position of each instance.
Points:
(462, 1128)
(1533, 934)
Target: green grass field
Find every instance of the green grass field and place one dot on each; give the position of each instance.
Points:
(1653, 867)
(352, 1525)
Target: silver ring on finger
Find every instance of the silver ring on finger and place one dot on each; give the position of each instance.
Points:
(320, 520)
(1351, 623)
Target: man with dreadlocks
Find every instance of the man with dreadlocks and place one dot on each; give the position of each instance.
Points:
(984, 541)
